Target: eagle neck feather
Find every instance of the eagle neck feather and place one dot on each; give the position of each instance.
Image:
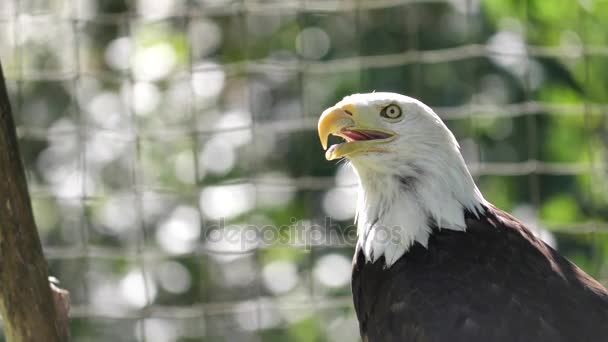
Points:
(398, 208)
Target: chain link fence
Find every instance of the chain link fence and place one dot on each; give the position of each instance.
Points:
(176, 176)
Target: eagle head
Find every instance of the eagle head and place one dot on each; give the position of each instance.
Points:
(411, 174)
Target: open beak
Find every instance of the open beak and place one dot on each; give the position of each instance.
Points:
(344, 122)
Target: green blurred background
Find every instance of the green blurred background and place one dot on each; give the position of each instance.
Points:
(157, 133)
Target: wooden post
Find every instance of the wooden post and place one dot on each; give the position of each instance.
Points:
(27, 303)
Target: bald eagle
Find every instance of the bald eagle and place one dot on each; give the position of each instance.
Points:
(434, 260)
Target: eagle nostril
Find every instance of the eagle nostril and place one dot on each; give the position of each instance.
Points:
(348, 112)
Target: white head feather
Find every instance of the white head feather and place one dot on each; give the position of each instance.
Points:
(420, 180)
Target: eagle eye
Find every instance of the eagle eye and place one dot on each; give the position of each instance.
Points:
(391, 111)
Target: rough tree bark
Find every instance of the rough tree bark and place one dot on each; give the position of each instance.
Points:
(30, 309)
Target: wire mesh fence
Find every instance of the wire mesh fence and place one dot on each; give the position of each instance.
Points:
(175, 173)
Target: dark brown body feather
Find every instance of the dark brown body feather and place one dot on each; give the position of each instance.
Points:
(495, 282)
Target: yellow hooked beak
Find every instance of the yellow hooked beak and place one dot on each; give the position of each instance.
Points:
(360, 136)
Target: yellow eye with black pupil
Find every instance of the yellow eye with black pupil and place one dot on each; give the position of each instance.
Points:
(391, 112)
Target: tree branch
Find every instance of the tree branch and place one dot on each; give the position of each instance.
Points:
(27, 302)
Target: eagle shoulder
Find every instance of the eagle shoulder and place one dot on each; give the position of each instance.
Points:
(494, 282)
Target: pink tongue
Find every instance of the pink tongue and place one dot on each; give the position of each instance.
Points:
(355, 135)
(364, 135)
